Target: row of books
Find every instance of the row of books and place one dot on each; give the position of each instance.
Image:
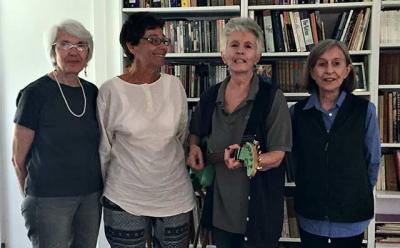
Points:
(176, 3)
(351, 28)
(390, 31)
(194, 36)
(290, 2)
(389, 65)
(300, 31)
(389, 116)
(289, 31)
(197, 78)
(286, 73)
(388, 234)
(389, 172)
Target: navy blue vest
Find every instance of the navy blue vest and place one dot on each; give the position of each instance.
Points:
(332, 180)
(266, 188)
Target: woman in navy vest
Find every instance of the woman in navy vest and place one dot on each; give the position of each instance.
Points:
(336, 151)
(242, 212)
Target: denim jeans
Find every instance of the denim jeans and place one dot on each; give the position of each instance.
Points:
(62, 222)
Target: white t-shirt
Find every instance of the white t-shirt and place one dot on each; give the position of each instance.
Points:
(143, 127)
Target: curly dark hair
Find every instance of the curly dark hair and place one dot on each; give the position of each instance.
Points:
(134, 28)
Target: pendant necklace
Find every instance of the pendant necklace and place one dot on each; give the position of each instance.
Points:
(65, 100)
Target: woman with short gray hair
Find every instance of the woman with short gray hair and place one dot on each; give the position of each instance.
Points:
(242, 212)
(55, 146)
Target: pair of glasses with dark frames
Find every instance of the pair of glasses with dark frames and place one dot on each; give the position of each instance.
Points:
(157, 41)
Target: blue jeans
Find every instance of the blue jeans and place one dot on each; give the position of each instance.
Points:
(62, 222)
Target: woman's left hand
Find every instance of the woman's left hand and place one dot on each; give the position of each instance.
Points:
(229, 157)
(270, 160)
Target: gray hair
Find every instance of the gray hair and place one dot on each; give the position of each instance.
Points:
(243, 24)
(323, 46)
(71, 27)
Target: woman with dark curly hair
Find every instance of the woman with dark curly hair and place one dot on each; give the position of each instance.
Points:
(143, 119)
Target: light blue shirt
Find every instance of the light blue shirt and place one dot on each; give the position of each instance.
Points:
(327, 228)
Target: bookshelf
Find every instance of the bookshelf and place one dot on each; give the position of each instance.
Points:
(369, 55)
(388, 202)
(329, 13)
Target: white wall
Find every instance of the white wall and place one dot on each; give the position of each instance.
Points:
(22, 60)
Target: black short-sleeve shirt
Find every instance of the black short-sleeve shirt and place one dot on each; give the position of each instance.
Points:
(63, 159)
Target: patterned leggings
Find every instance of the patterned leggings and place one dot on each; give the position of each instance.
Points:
(124, 230)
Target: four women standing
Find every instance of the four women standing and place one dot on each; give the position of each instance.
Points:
(143, 120)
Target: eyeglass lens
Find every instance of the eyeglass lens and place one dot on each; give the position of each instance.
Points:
(67, 46)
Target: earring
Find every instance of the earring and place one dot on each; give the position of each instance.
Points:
(85, 72)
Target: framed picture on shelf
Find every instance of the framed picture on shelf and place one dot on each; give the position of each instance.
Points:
(359, 69)
(266, 69)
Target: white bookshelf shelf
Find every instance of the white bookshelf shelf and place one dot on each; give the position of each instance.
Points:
(192, 55)
(294, 240)
(192, 10)
(388, 194)
(296, 94)
(362, 93)
(390, 45)
(313, 6)
(305, 54)
(390, 145)
(389, 86)
(382, 245)
(193, 99)
(390, 4)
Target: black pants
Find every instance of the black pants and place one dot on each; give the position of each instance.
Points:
(309, 240)
(224, 239)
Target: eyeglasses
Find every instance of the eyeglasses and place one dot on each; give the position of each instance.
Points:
(81, 47)
(157, 41)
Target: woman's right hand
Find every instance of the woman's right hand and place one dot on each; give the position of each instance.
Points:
(195, 158)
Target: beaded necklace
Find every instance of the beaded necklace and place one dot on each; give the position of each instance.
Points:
(65, 100)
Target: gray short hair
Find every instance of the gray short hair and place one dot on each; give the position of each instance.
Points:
(243, 24)
(71, 27)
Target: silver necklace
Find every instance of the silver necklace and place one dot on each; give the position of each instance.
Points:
(65, 100)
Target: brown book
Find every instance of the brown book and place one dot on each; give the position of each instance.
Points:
(382, 62)
(396, 72)
(390, 117)
(380, 115)
(314, 28)
(390, 170)
(252, 2)
(385, 117)
(389, 68)
(397, 167)
(356, 31)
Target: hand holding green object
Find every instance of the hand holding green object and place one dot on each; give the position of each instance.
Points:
(248, 155)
